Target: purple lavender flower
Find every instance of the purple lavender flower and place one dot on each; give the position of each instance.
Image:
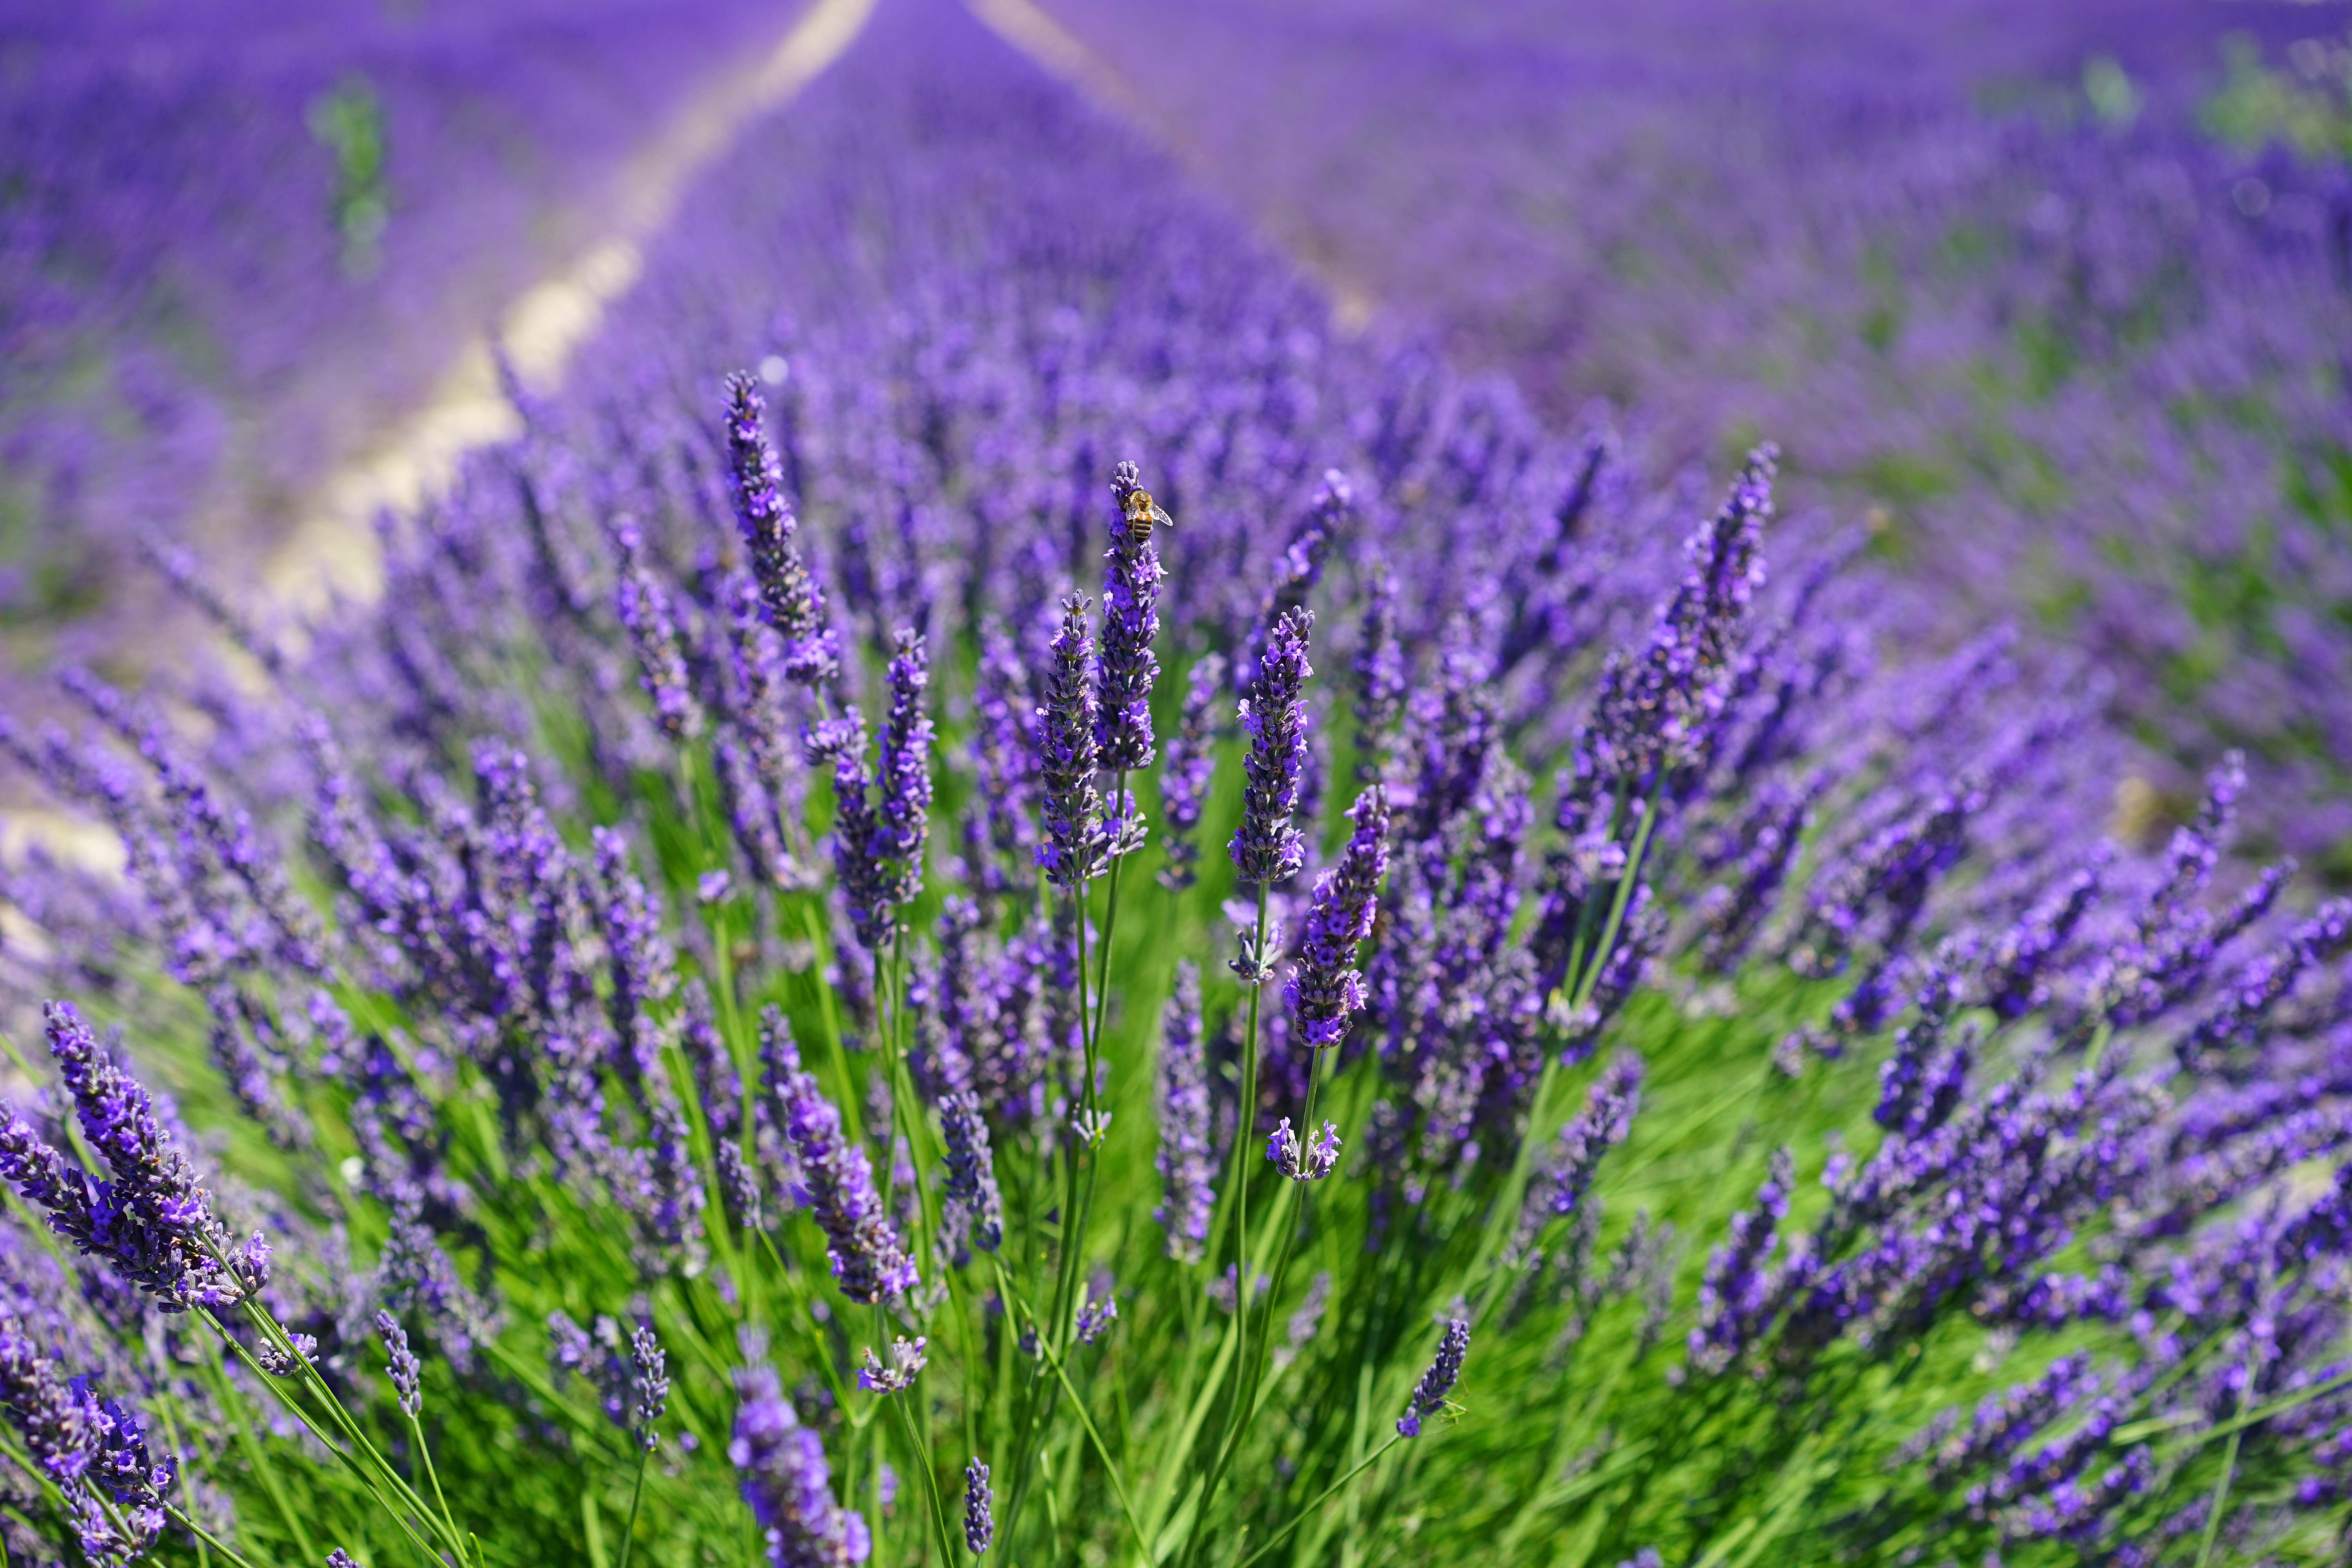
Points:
(1130, 620)
(1097, 1310)
(82, 1445)
(975, 1211)
(903, 774)
(868, 1262)
(1186, 1162)
(739, 1187)
(2001, 1423)
(907, 1359)
(1429, 1393)
(866, 880)
(2016, 976)
(53, 1422)
(649, 1387)
(1379, 673)
(642, 967)
(406, 1372)
(978, 1525)
(1300, 567)
(1186, 770)
(1300, 1330)
(1311, 1162)
(1606, 1121)
(1662, 708)
(787, 1482)
(645, 612)
(2238, 1023)
(1733, 1289)
(1326, 989)
(153, 1221)
(794, 602)
(1921, 1083)
(1267, 847)
(1003, 766)
(1076, 840)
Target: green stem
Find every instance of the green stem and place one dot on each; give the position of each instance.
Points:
(1279, 1536)
(358, 1470)
(1066, 1271)
(1244, 1134)
(922, 1456)
(207, 1537)
(1102, 1450)
(425, 1457)
(2228, 1473)
(636, 1495)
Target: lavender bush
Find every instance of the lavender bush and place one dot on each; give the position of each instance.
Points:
(667, 1039)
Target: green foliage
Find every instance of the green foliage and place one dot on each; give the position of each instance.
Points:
(349, 123)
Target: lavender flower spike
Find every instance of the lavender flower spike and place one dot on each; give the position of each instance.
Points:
(1603, 1123)
(903, 775)
(649, 1387)
(1076, 841)
(1186, 1160)
(795, 603)
(1310, 1163)
(907, 1359)
(1185, 772)
(1326, 989)
(975, 1206)
(978, 1525)
(407, 1374)
(645, 615)
(1429, 1393)
(152, 1220)
(1267, 847)
(1130, 620)
(787, 1482)
(868, 1262)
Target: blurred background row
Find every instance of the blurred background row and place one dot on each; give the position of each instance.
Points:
(2054, 302)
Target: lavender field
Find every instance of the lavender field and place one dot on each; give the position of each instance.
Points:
(1286, 784)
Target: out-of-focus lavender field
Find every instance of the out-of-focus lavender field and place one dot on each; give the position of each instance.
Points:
(240, 239)
(2058, 296)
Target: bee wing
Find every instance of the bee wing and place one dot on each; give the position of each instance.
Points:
(1159, 516)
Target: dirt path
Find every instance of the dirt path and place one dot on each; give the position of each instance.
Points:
(332, 549)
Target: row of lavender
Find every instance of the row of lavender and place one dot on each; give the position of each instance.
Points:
(2077, 354)
(236, 240)
(1709, 1096)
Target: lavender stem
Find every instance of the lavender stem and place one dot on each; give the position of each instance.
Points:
(1244, 1125)
(636, 1495)
(1119, 1486)
(1326, 1495)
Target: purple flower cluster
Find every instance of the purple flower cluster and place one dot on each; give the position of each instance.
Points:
(1075, 841)
(1187, 1162)
(1268, 847)
(1325, 990)
(1429, 1393)
(870, 1263)
(152, 1220)
(787, 1482)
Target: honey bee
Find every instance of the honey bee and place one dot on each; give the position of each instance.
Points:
(1143, 513)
